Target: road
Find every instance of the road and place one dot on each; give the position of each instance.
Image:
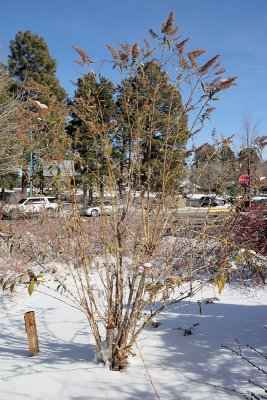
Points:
(196, 217)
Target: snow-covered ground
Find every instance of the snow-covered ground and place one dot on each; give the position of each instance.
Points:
(166, 361)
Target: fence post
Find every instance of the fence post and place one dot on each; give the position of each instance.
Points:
(31, 330)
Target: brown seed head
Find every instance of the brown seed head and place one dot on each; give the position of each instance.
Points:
(220, 71)
(192, 59)
(135, 51)
(85, 58)
(208, 64)
(197, 53)
(153, 34)
(184, 64)
(171, 281)
(123, 57)
(217, 65)
(127, 48)
(167, 27)
(227, 83)
(209, 110)
(148, 53)
(147, 44)
(261, 141)
(180, 46)
(113, 52)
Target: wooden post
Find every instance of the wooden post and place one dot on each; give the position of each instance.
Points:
(31, 330)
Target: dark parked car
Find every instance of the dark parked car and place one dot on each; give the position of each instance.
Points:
(245, 204)
(211, 201)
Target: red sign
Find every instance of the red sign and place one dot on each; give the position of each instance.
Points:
(244, 181)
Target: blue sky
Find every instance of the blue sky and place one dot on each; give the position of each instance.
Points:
(236, 29)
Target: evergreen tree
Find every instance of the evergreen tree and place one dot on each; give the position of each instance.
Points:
(225, 152)
(150, 113)
(10, 146)
(214, 166)
(93, 106)
(205, 154)
(30, 60)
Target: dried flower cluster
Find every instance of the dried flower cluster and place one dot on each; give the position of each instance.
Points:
(85, 58)
(204, 69)
(167, 27)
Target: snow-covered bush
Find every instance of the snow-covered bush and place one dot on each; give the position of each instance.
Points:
(117, 268)
(249, 228)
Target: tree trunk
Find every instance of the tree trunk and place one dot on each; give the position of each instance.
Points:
(101, 188)
(85, 195)
(24, 183)
(41, 181)
(90, 195)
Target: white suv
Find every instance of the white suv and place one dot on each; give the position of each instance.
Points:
(29, 206)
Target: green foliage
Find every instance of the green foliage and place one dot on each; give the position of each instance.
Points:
(28, 278)
(10, 146)
(31, 288)
(220, 282)
(92, 110)
(34, 77)
(225, 153)
(150, 112)
(12, 288)
(30, 59)
(214, 165)
(9, 180)
(206, 153)
(249, 156)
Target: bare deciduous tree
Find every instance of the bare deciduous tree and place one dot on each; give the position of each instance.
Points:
(252, 145)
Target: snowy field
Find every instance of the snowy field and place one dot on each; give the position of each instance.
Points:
(166, 362)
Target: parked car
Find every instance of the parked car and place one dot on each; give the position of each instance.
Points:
(105, 208)
(29, 207)
(211, 201)
(259, 200)
(245, 204)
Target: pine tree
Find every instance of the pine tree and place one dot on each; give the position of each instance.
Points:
(30, 60)
(205, 154)
(155, 120)
(214, 166)
(10, 146)
(225, 152)
(92, 106)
